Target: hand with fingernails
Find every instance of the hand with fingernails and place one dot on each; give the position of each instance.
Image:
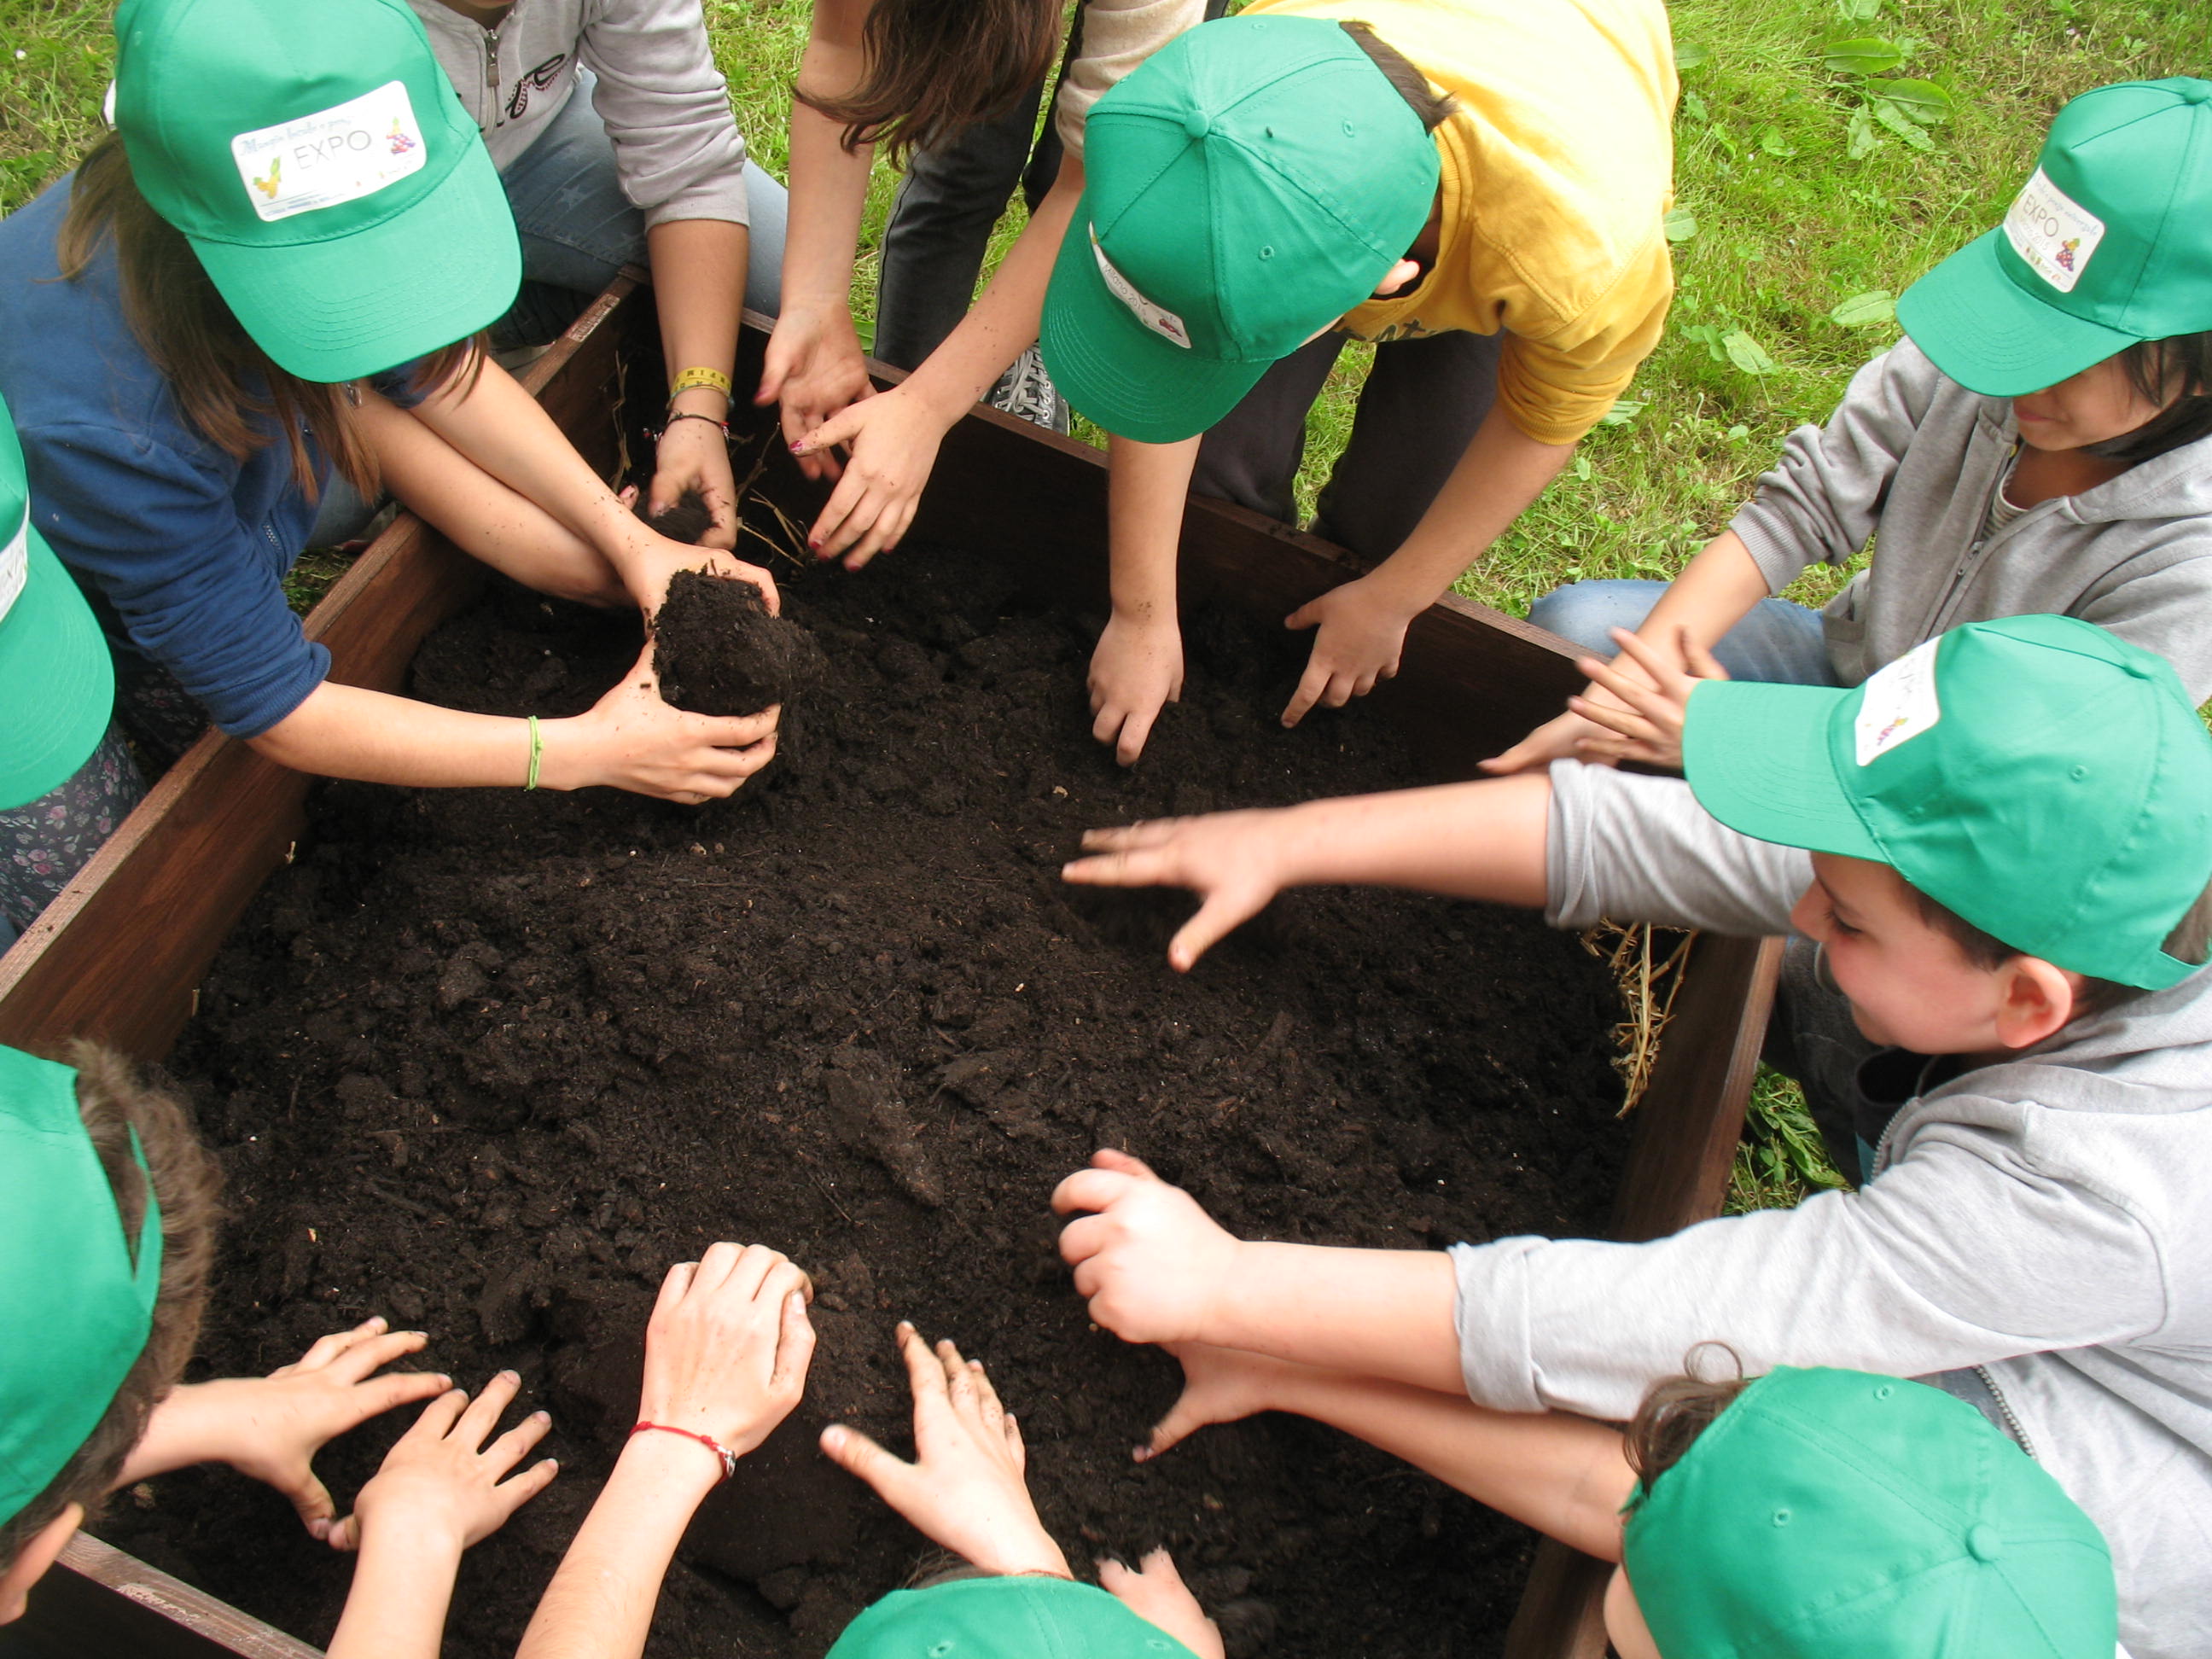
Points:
(448, 1477)
(1148, 1259)
(1645, 721)
(1360, 637)
(1234, 861)
(728, 1347)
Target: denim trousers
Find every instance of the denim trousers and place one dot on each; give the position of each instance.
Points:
(1776, 642)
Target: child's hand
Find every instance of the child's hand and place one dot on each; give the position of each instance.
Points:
(651, 562)
(726, 1349)
(442, 1481)
(271, 1427)
(1560, 738)
(631, 739)
(1650, 726)
(696, 455)
(892, 439)
(1231, 860)
(1219, 1385)
(1155, 1592)
(964, 1489)
(1136, 671)
(1149, 1260)
(1362, 634)
(813, 370)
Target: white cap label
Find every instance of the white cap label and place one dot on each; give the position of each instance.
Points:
(338, 154)
(1898, 703)
(1162, 321)
(15, 564)
(2052, 232)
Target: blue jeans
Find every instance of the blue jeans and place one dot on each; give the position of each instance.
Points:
(578, 228)
(1776, 642)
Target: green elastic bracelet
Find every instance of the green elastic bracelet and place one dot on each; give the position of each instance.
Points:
(536, 754)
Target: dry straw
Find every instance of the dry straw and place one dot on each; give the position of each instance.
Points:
(1649, 983)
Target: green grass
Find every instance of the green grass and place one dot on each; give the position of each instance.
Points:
(1787, 224)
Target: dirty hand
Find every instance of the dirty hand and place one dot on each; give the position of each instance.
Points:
(892, 438)
(813, 370)
(441, 1479)
(652, 560)
(630, 740)
(965, 1490)
(1149, 1260)
(1219, 1385)
(1231, 860)
(1136, 671)
(726, 1349)
(271, 1427)
(1643, 721)
(695, 455)
(1362, 633)
(1155, 1592)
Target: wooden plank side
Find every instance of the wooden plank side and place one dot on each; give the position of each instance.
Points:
(118, 956)
(98, 1601)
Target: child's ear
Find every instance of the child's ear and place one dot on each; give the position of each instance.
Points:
(2035, 997)
(1397, 276)
(42, 1550)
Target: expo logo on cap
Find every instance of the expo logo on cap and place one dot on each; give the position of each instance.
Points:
(1158, 318)
(336, 155)
(1898, 704)
(2053, 234)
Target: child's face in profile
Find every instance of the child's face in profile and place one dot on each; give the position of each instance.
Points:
(2098, 404)
(1910, 984)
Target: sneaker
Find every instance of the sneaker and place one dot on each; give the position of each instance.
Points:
(1027, 391)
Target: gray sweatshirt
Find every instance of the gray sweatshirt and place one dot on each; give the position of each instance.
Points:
(2049, 1219)
(1912, 458)
(665, 105)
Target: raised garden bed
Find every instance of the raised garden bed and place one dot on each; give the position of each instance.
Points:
(1314, 1082)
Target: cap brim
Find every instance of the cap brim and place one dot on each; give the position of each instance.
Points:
(57, 682)
(1757, 758)
(1990, 335)
(1114, 371)
(356, 304)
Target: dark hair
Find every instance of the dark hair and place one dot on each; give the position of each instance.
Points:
(2190, 939)
(113, 1102)
(1676, 1412)
(226, 387)
(2159, 370)
(1433, 107)
(935, 67)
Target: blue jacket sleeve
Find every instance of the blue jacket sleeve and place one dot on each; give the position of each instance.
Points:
(158, 535)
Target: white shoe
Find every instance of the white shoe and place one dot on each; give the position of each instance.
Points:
(1026, 391)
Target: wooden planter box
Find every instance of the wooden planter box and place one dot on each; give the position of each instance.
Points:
(120, 955)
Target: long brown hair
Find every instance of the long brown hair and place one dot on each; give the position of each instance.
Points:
(938, 66)
(226, 387)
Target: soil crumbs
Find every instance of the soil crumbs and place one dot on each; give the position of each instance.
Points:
(487, 1062)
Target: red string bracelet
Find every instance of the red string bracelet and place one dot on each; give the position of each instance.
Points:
(729, 1458)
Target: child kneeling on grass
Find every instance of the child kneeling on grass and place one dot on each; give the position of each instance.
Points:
(726, 1357)
(107, 1221)
(2011, 829)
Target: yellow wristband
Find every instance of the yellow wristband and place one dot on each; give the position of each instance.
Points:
(692, 378)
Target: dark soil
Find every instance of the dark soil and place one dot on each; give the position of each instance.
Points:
(487, 1062)
(717, 650)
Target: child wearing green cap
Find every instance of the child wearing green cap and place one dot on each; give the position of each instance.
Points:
(726, 1356)
(1477, 187)
(2041, 441)
(2010, 835)
(107, 1228)
(270, 273)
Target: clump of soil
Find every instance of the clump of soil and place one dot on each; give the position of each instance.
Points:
(717, 650)
(688, 519)
(487, 1063)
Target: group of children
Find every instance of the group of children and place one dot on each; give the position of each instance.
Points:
(1958, 1408)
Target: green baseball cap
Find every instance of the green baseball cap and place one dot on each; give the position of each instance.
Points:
(1829, 1512)
(56, 680)
(2044, 779)
(315, 156)
(74, 1312)
(1024, 1617)
(2109, 244)
(1247, 186)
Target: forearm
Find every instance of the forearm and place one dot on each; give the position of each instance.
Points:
(1484, 840)
(180, 1432)
(600, 1602)
(699, 290)
(350, 731)
(1385, 1314)
(829, 183)
(1147, 485)
(1566, 1476)
(403, 1583)
(1502, 472)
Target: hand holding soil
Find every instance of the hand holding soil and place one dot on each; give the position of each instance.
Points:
(718, 649)
(1148, 1259)
(442, 1481)
(1225, 858)
(726, 1350)
(632, 739)
(966, 1488)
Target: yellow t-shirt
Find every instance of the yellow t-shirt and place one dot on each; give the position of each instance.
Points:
(1557, 167)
